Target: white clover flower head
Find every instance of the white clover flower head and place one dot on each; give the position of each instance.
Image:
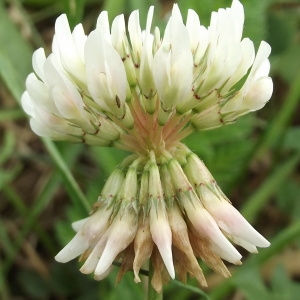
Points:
(133, 89)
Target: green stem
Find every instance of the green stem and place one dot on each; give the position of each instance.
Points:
(152, 293)
(74, 189)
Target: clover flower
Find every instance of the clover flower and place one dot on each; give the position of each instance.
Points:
(137, 90)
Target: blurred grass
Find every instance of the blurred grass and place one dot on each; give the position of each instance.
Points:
(252, 160)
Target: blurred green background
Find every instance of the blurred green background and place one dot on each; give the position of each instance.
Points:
(45, 186)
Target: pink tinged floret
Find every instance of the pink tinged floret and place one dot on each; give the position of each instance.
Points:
(205, 226)
(203, 223)
(230, 220)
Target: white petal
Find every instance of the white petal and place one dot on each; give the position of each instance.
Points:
(39, 94)
(27, 104)
(162, 237)
(120, 234)
(249, 247)
(118, 36)
(173, 65)
(258, 94)
(234, 223)
(106, 74)
(92, 261)
(38, 62)
(262, 55)
(74, 248)
(135, 35)
(103, 25)
(66, 102)
(69, 55)
(79, 224)
(104, 275)
(237, 16)
(40, 128)
(55, 124)
(145, 71)
(247, 58)
(79, 39)
(176, 12)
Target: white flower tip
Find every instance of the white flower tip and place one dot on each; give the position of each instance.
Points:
(166, 255)
(105, 261)
(85, 270)
(137, 278)
(120, 235)
(62, 20)
(237, 5)
(266, 48)
(263, 243)
(176, 12)
(164, 245)
(27, 104)
(78, 224)
(104, 275)
(73, 249)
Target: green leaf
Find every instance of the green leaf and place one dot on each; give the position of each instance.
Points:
(291, 140)
(287, 198)
(288, 65)
(7, 147)
(251, 284)
(280, 33)
(283, 286)
(32, 284)
(8, 176)
(15, 55)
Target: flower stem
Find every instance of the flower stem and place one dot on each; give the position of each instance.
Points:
(152, 293)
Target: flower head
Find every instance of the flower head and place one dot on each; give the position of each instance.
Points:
(138, 91)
